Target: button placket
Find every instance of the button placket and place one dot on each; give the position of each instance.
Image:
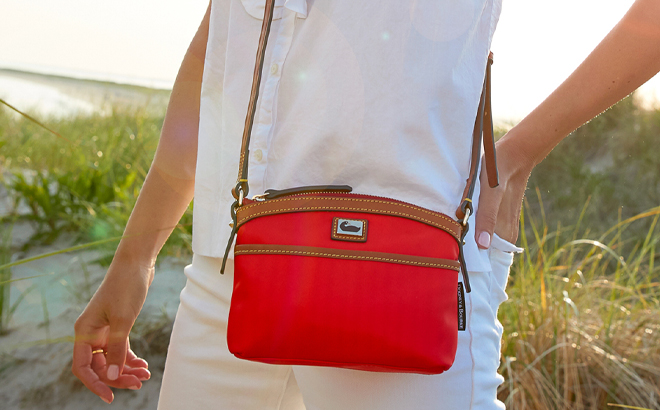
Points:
(266, 114)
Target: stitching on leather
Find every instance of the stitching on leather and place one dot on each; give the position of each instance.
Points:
(242, 221)
(358, 200)
(342, 237)
(338, 255)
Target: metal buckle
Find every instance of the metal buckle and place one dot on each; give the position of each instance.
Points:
(467, 215)
(241, 197)
(240, 191)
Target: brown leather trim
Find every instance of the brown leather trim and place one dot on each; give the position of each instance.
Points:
(312, 203)
(347, 254)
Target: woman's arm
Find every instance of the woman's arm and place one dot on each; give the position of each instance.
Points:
(167, 191)
(168, 187)
(626, 58)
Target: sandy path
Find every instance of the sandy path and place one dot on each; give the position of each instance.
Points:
(35, 355)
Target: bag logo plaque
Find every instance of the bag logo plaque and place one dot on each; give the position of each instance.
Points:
(461, 307)
(353, 230)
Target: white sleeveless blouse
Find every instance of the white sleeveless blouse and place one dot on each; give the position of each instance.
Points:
(378, 95)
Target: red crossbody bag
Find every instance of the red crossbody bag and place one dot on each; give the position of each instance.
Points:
(326, 277)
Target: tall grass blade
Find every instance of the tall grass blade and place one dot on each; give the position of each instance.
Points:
(32, 119)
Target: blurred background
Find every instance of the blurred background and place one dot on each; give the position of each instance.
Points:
(142, 43)
(583, 319)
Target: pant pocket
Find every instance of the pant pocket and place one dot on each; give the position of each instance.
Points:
(501, 254)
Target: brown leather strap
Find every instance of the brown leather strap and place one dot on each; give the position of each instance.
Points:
(484, 116)
(242, 183)
(489, 137)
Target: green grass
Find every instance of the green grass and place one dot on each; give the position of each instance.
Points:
(86, 182)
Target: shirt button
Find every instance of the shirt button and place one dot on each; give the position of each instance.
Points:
(273, 69)
(258, 155)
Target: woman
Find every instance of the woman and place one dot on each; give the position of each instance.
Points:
(369, 94)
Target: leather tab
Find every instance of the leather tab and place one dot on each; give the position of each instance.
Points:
(489, 134)
(275, 193)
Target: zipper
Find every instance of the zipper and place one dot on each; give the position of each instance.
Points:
(277, 193)
(296, 192)
(345, 190)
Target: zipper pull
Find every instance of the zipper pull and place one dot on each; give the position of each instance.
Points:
(276, 193)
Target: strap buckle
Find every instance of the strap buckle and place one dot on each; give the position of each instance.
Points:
(240, 191)
(468, 212)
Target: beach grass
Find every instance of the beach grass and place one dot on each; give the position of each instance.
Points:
(582, 323)
(86, 181)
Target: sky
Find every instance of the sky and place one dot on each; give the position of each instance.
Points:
(537, 43)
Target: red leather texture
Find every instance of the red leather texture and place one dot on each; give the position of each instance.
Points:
(357, 314)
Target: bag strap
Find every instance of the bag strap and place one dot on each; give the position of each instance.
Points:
(484, 117)
(483, 128)
(241, 189)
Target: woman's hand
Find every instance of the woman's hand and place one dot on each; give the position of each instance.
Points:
(105, 324)
(499, 207)
(624, 60)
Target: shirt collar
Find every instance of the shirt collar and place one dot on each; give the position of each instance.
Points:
(299, 6)
(256, 8)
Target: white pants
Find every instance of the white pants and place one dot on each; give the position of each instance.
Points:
(201, 374)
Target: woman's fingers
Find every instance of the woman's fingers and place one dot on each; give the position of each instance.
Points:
(127, 380)
(82, 366)
(141, 373)
(499, 208)
(489, 207)
(132, 359)
(120, 327)
(135, 365)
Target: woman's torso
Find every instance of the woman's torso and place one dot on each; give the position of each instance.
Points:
(378, 95)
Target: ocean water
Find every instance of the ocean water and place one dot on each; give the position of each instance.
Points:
(157, 83)
(56, 92)
(41, 99)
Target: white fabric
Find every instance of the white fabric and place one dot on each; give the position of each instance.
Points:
(201, 374)
(379, 95)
